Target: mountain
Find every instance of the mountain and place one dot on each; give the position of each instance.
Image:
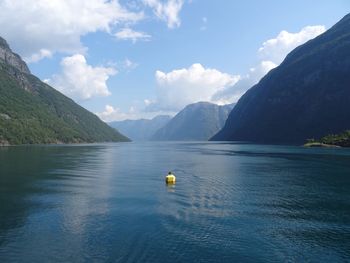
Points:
(198, 121)
(33, 112)
(307, 96)
(140, 130)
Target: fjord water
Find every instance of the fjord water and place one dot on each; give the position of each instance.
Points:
(231, 203)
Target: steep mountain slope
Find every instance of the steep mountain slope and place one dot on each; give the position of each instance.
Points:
(307, 96)
(33, 112)
(141, 130)
(198, 121)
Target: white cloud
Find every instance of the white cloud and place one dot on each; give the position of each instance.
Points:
(125, 65)
(57, 25)
(112, 114)
(147, 102)
(167, 10)
(181, 87)
(80, 80)
(272, 52)
(43, 53)
(129, 34)
(41, 28)
(233, 93)
(277, 48)
(129, 64)
(204, 24)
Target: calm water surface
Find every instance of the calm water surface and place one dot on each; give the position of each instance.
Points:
(232, 203)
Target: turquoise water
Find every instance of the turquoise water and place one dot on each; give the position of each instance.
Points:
(231, 203)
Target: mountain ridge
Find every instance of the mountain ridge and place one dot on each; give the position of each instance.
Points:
(304, 97)
(142, 129)
(11, 58)
(32, 112)
(197, 121)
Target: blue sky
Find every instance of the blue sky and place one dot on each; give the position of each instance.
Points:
(133, 59)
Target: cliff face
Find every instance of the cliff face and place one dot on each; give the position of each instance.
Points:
(10, 58)
(307, 96)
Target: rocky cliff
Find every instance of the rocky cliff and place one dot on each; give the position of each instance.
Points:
(10, 58)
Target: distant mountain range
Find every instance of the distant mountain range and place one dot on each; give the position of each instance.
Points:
(32, 112)
(307, 96)
(141, 130)
(198, 121)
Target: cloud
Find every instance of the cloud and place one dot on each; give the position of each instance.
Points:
(277, 48)
(272, 52)
(112, 114)
(181, 87)
(125, 65)
(134, 36)
(80, 80)
(233, 93)
(167, 11)
(129, 64)
(57, 26)
(43, 53)
(39, 29)
(204, 24)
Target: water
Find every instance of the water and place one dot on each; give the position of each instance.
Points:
(231, 203)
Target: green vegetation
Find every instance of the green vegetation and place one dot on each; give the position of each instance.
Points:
(31, 112)
(342, 139)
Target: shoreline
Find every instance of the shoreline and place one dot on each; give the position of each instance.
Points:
(320, 145)
(56, 144)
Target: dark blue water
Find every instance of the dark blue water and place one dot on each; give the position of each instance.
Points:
(231, 203)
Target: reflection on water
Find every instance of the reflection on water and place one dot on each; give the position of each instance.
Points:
(170, 188)
(231, 202)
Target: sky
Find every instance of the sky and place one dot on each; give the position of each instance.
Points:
(132, 59)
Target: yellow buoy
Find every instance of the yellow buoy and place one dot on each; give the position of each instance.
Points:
(170, 178)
